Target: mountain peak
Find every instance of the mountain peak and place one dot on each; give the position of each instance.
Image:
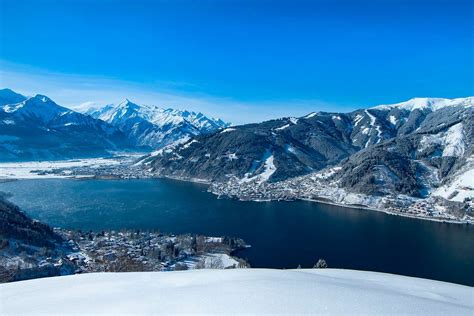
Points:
(127, 102)
(39, 106)
(7, 91)
(8, 96)
(42, 98)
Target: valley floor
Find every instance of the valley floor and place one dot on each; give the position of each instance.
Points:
(241, 291)
(88, 167)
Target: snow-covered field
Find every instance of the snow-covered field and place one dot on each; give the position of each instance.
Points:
(33, 169)
(241, 291)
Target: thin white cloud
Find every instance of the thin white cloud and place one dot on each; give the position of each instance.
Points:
(81, 92)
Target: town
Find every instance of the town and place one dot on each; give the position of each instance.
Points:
(135, 250)
(318, 189)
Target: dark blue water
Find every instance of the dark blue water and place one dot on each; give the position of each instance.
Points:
(282, 234)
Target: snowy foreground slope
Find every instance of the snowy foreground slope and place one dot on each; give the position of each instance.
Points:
(257, 291)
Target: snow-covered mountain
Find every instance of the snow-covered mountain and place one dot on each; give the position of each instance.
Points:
(410, 148)
(155, 127)
(318, 140)
(36, 128)
(237, 291)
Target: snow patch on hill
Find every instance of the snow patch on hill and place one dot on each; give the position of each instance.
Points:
(282, 127)
(268, 168)
(462, 185)
(453, 141)
(230, 129)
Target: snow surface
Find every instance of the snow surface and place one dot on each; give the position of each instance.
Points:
(291, 149)
(392, 119)
(433, 104)
(29, 169)
(294, 120)
(372, 124)
(236, 291)
(357, 119)
(326, 173)
(310, 115)
(9, 122)
(230, 129)
(461, 187)
(213, 261)
(269, 169)
(186, 145)
(232, 156)
(169, 148)
(268, 166)
(453, 141)
(282, 127)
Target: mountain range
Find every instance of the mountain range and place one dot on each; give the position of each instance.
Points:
(301, 145)
(36, 128)
(155, 127)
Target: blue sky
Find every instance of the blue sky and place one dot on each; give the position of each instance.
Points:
(241, 60)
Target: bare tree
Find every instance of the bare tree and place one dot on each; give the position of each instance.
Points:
(215, 263)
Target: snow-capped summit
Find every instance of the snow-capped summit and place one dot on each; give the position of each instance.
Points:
(432, 104)
(153, 126)
(39, 107)
(115, 113)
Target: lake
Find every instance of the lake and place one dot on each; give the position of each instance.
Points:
(282, 234)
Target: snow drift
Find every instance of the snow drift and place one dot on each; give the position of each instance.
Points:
(256, 291)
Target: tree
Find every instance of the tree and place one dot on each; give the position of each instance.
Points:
(194, 244)
(321, 264)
